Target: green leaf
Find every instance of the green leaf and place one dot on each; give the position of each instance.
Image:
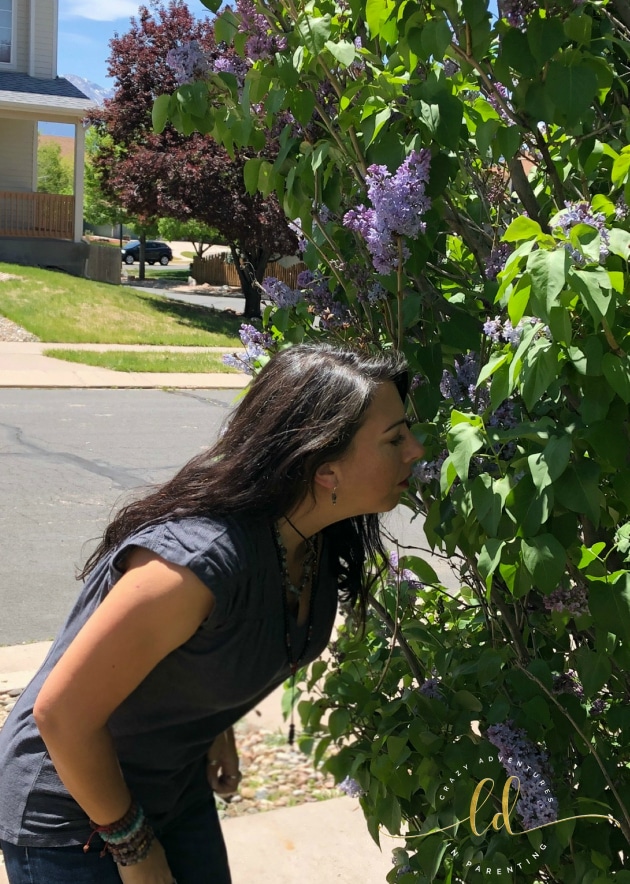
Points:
(159, 112)
(489, 559)
(616, 370)
(489, 666)
(620, 169)
(435, 38)
(519, 299)
(551, 462)
(529, 507)
(314, 32)
(594, 670)
(619, 241)
(610, 606)
(338, 722)
(515, 51)
(572, 88)
(225, 27)
(377, 12)
(508, 141)
(467, 701)
(463, 440)
(578, 489)
(548, 271)
(540, 369)
(545, 36)
(343, 51)
(423, 569)
(251, 171)
(212, 5)
(488, 496)
(522, 229)
(545, 559)
(593, 287)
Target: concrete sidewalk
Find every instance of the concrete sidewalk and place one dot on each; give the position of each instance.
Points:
(313, 843)
(24, 365)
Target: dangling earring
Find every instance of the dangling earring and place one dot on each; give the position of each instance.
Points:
(333, 496)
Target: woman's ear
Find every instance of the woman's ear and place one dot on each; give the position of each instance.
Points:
(326, 477)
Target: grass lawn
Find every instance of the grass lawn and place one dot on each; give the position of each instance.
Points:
(163, 360)
(66, 309)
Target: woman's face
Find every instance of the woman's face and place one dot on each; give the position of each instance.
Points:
(375, 471)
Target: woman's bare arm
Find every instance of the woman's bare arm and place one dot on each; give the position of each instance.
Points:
(153, 609)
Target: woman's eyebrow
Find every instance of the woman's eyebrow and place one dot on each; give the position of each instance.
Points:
(397, 424)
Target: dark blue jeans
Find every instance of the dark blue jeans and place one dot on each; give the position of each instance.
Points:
(193, 844)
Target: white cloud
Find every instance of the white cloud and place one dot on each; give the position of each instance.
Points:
(109, 11)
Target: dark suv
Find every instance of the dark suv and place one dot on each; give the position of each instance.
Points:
(153, 251)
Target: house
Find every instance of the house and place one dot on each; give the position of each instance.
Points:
(30, 91)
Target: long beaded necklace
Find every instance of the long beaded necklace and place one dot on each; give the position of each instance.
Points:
(309, 572)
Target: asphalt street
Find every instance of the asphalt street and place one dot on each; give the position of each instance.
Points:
(68, 458)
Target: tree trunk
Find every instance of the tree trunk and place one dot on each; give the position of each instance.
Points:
(143, 241)
(251, 271)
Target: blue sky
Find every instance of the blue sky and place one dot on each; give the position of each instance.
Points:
(85, 29)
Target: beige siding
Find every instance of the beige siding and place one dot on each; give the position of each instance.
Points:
(17, 143)
(44, 42)
(21, 35)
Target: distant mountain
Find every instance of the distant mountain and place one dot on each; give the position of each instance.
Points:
(92, 90)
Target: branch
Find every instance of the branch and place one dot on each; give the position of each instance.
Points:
(410, 657)
(525, 191)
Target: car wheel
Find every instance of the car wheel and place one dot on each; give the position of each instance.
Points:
(128, 259)
(164, 260)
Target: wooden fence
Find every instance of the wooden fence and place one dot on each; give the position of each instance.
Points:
(48, 215)
(216, 271)
(103, 264)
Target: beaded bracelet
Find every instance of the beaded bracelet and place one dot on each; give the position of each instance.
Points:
(128, 839)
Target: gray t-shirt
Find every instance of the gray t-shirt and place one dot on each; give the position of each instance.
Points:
(163, 729)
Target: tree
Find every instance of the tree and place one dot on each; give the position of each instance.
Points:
(199, 235)
(54, 174)
(461, 182)
(191, 178)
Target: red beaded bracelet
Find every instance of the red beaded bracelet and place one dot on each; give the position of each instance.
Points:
(128, 839)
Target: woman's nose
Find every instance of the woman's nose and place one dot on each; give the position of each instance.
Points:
(416, 450)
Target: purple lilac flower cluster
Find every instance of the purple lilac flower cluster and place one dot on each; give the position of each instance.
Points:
(450, 68)
(396, 573)
(622, 210)
(581, 213)
(516, 11)
(498, 99)
(432, 689)
(280, 293)
(316, 292)
(568, 683)
(188, 61)
(461, 386)
(521, 758)
(256, 343)
(261, 42)
(598, 706)
(351, 788)
(231, 64)
(496, 261)
(426, 471)
(398, 203)
(573, 600)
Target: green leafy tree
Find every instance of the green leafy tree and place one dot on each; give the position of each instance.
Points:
(54, 174)
(199, 235)
(461, 183)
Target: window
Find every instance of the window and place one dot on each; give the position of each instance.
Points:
(6, 31)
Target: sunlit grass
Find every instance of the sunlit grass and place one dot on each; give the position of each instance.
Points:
(61, 308)
(163, 360)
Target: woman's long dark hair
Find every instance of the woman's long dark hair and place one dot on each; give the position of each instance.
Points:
(301, 411)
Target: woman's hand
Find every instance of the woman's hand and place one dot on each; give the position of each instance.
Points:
(222, 765)
(152, 870)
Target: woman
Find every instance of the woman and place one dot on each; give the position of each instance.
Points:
(201, 598)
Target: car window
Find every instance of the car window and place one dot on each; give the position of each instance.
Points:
(132, 244)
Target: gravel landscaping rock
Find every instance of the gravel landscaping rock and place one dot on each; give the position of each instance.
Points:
(9, 331)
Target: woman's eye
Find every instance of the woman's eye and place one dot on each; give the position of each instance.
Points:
(398, 440)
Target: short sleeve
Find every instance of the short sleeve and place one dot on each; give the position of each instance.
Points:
(205, 547)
